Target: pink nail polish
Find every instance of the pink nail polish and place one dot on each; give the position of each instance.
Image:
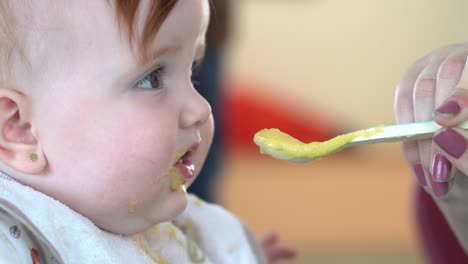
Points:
(449, 109)
(441, 168)
(440, 189)
(451, 142)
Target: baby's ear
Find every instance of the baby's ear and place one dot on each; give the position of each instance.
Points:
(19, 147)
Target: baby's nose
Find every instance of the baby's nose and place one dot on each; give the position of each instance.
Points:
(196, 110)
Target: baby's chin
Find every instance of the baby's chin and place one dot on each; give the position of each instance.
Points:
(135, 222)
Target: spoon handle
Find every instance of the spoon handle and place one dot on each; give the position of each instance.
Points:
(402, 132)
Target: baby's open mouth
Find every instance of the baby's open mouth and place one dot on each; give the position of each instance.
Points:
(183, 169)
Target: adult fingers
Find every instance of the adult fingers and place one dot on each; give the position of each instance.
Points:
(423, 106)
(404, 113)
(449, 75)
(452, 95)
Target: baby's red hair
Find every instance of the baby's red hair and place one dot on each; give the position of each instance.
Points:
(127, 11)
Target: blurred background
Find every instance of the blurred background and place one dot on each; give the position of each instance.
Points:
(315, 69)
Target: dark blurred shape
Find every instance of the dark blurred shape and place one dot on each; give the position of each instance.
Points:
(208, 81)
(240, 110)
(440, 245)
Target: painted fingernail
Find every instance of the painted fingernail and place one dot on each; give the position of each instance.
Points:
(441, 168)
(440, 189)
(419, 172)
(449, 109)
(451, 142)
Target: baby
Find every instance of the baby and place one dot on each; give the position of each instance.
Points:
(101, 133)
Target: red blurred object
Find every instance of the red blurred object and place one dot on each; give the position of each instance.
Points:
(245, 111)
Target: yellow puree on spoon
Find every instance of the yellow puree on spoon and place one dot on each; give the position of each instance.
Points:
(282, 146)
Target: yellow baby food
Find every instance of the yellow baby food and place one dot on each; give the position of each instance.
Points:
(283, 146)
(176, 179)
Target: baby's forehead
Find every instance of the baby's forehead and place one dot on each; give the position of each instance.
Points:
(54, 36)
(52, 15)
(132, 20)
(46, 26)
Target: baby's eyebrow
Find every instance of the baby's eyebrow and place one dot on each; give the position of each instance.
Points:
(172, 49)
(166, 50)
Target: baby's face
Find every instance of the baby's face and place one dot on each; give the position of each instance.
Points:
(112, 130)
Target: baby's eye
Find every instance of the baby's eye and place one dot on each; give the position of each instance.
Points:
(154, 80)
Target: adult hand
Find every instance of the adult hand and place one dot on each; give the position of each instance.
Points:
(436, 87)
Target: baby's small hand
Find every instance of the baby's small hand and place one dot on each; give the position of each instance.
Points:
(273, 251)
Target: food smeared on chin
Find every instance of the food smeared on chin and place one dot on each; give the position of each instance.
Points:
(133, 207)
(176, 180)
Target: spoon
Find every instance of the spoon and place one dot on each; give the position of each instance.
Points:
(282, 146)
